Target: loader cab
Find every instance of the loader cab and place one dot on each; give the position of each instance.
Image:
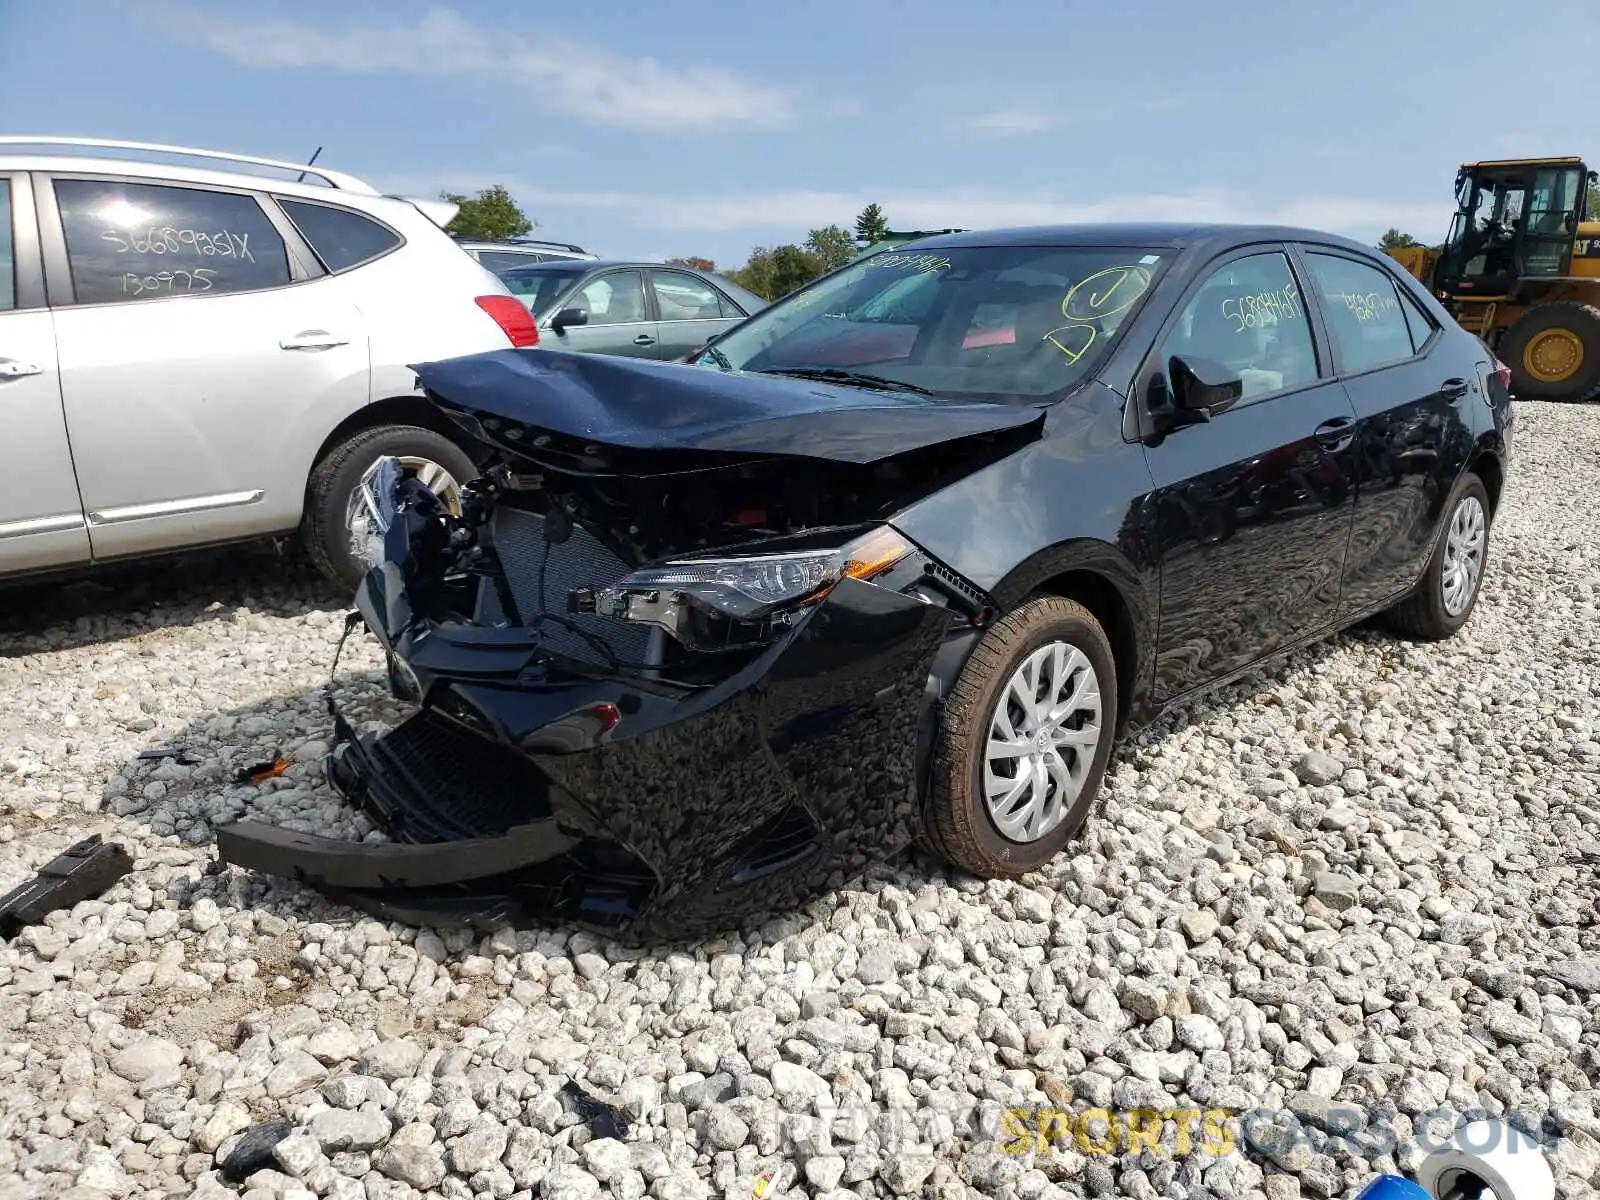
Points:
(1515, 219)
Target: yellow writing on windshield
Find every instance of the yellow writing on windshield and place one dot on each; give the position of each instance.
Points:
(1105, 293)
(1072, 340)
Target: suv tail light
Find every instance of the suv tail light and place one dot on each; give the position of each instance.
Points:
(1503, 374)
(514, 319)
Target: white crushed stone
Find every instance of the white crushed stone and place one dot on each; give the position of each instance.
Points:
(1366, 878)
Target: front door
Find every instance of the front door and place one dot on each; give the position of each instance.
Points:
(41, 516)
(1253, 508)
(190, 348)
(619, 320)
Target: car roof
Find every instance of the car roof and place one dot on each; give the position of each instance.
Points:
(1153, 234)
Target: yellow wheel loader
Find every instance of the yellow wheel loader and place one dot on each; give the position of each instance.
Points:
(1521, 269)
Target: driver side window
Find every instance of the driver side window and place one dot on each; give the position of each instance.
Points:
(1249, 318)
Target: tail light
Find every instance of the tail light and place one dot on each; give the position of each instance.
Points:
(1503, 374)
(514, 319)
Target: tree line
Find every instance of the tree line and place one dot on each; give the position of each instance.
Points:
(771, 271)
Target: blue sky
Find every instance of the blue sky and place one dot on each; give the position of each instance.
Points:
(700, 128)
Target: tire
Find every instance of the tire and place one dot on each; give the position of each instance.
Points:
(325, 528)
(1425, 615)
(1553, 336)
(959, 825)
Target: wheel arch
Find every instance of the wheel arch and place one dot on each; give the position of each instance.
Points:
(1099, 577)
(1488, 467)
(392, 410)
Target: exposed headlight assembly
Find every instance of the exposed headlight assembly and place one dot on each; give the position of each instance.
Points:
(733, 602)
(372, 510)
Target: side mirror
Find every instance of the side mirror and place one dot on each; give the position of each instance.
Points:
(568, 317)
(1204, 387)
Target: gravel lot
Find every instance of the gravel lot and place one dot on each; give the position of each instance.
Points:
(1365, 880)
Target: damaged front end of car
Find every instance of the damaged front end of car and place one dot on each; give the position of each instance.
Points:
(671, 672)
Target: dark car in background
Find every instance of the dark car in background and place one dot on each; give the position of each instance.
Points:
(902, 559)
(639, 310)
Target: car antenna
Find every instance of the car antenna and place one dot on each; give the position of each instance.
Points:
(309, 162)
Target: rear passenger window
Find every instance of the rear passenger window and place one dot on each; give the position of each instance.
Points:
(139, 241)
(340, 238)
(1418, 322)
(1248, 317)
(1363, 310)
(8, 266)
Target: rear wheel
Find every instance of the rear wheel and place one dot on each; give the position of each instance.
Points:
(1024, 741)
(338, 524)
(1448, 590)
(1554, 352)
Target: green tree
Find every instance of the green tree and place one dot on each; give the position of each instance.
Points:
(491, 215)
(831, 247)
(1395, 240)
(699, 264)
(775, 271)
(871, 224)
(1592, 211)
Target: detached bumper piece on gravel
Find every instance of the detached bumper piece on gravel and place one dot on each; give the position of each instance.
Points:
(645, 706)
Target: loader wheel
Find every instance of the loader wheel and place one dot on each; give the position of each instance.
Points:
(1554, 352)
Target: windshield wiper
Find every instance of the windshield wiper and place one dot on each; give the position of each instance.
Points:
(717, 356)
(851, 378)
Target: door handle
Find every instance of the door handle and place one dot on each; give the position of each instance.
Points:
(313, 339)
(644, 339)
(10, 368)
(1453, 389)
(1335, 433)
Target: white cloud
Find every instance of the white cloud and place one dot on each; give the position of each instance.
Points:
(789, 213)
(1011, 122)
(578, 79)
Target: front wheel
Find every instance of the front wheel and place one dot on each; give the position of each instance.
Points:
(1448, 591)
(339, 530)
(1024, 741)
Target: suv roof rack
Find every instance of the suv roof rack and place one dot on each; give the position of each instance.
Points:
(519, 241)
(334, 179)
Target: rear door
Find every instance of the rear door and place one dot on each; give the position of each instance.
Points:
(1253, 508)
(41, 515)
(619, 320)
(691, 312)
(1412, 437)
(197, 341)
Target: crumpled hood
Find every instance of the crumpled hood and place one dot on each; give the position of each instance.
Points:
(644, 405)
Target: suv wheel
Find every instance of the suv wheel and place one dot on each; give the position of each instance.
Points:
(1448, 590)
(1024, 741)
(337, 522)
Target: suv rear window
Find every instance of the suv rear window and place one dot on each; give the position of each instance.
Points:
(8, 282)
(340, 238)
(140, 241)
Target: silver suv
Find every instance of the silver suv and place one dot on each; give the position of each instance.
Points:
(501, 257)
(194, 355)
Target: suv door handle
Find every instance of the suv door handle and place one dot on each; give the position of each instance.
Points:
(1336, 432)
(313, 339)
(10, 368)
(644, 339)
(1453, 389)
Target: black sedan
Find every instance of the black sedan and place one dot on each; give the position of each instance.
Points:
(634, 309)
(898, 558)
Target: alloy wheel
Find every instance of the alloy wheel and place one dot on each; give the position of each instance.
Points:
(1463, 555)
(361, 513)
(1046, 727)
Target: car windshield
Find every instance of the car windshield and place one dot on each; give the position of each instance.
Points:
(1017, 323)
(540, 287)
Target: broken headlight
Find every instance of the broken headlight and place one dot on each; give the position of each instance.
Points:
(372, 510)
(738, 600)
